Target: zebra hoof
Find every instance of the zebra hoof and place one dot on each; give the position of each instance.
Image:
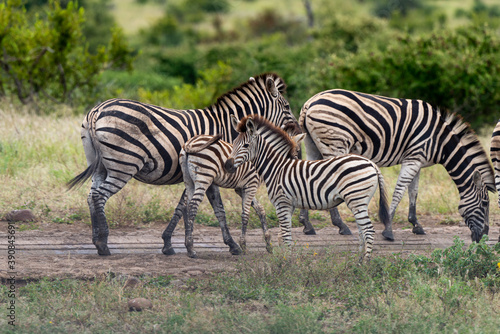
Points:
(309, 231)
(168, 251)
(104, 252)
(236, 250)
(192, 254)
(388, 235)
(345, 231)
(102, 249)
(418, 230)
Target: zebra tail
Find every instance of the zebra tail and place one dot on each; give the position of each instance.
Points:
(383, 211)
(80, 179)
(191, 149)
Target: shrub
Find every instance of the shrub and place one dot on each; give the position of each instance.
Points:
(476, 261)
(455, 70)
(48, 59)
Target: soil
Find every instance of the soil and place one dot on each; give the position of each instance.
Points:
(66, 251)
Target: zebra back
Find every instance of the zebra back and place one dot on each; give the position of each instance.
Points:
(143, 141)
(205, 157)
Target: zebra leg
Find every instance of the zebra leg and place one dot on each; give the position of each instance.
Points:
(312, 153)
(259, 209)
(284, 213)
(366, 233)
(304, 220)
(180, 211)
(412, 213)
(337, 221)
(213, 195)
(103, 187)
(409, 170)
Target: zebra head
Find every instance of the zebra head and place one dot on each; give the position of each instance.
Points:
(278, 111)
(474, 207)
(252, 133)
(241, 152)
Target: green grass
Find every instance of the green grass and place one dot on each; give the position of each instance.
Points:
(299, 291)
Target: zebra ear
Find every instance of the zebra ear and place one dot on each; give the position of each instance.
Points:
(271, 87)
(299, 138)
(250, 126)
(234, 122)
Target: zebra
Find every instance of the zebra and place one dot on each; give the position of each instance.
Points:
(125, 139)
(318, 185)
(495, 158)
(392, 131)
(202, 163)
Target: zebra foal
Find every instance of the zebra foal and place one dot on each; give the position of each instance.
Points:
(125, 139)
(317, 185)
(202, 162)
(410, 133)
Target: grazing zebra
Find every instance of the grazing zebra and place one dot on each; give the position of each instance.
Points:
(125, 139)
(391, 131)
(318, 185)
(495, 158)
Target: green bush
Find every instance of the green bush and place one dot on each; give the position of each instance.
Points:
(476, 261)
(456, 70)
(48, 59)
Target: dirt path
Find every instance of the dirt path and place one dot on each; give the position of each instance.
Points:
(66, 251)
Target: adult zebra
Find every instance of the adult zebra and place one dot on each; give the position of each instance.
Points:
(495, 158)
(126, 139)
(391, 131)
(319, 184)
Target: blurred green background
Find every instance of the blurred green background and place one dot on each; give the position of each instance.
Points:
(185, 53)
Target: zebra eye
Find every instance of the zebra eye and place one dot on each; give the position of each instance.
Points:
(246, 145)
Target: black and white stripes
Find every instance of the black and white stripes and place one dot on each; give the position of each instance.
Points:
(391, 131)
(126, 139)
(318, 185)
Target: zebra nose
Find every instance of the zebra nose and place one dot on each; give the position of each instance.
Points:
(229, 166)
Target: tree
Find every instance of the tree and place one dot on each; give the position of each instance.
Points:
(49, 59)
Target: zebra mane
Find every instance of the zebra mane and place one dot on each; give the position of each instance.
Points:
(260, 80)
(468, 138)
(264, 125)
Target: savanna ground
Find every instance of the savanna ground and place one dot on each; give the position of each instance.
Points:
(410, 285)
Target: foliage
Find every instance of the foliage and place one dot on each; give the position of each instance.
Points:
(476, 261)
(48, 59)
(212, 83)
(455, 69)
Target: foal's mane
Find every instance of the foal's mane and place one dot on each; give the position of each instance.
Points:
(264, 125)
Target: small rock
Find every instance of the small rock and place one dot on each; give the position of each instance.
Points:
(20, 216)
(195, 272)
(139, 304)
(131, 282)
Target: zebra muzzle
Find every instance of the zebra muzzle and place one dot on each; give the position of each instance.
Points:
(229, 166)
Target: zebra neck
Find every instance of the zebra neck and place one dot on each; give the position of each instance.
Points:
(269, 161)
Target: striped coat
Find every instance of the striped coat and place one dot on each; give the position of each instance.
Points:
(391, 131)
(318, 185)
(202, 161)
(126, 139)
